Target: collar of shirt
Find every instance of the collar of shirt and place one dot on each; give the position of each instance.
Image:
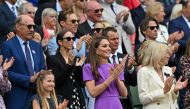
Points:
(58, 6)
(90, 23)
(116, 58)
(10, 7)
(21, 41)
(186, 20)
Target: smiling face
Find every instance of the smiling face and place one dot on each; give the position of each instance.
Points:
(103, 49)
(48, 83)
(71, 23)
(68, 40)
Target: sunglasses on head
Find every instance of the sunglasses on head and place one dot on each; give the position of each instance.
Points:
(98, 10)
(69, 38)
(153, 27)
(29, 26)
(97, 29)
(83, 0)
(74, 21)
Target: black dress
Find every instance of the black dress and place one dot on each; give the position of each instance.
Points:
(68, 81)
(39, 100)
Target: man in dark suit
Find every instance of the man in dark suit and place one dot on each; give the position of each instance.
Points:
(181, 24)
(94, 14)
(29, 60)
(8, 15)
(115, 58)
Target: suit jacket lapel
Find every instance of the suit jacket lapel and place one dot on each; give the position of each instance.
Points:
(9, 12)
(19, 48)
(156, 77)
(183, 23)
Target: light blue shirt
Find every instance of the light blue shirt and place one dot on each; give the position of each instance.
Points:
(52, 46)
(82, 51)
(23, 49)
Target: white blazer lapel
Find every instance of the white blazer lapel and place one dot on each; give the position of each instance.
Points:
(156, 77)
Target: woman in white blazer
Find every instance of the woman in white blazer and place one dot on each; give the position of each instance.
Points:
(156, 84)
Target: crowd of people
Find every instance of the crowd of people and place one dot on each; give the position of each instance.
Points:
(86, 54)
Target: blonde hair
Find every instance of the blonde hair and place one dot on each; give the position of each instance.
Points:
(176, 11)
(154, 9)
(154, 53)
(40, 90)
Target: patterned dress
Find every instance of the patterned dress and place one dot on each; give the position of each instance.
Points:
(185, 68)
(5, 86)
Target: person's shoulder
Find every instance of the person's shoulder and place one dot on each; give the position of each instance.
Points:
(87, 65)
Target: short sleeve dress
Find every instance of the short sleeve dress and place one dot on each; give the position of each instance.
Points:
(109, 99)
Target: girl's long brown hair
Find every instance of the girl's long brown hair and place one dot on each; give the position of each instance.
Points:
(93, 57)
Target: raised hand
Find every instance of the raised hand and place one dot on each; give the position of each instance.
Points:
(10, 35)
(180, 85)
(33, 78)
(64, 104)
(81, 61)
(71, 57)
(87, 39)
(7, 64)
(116, 71)
(37, 37)
(168, 84)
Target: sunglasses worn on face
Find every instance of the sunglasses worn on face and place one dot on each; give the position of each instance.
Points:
(98, 10)
(29, 26)
(153, 27)
(69, 38)
(74, 21)
(83, 0)
(97, 29)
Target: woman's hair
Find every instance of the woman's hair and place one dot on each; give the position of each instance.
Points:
(60, 36)
(144, 45)
(176, 11)
(93, 57)
(187, 51)
(40, 90)
(48, 11)
(153, 54)
(153, 9)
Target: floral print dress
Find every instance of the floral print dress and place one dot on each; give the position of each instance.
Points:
(185, 68)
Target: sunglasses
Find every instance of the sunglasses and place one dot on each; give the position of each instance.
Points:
(97, 29)
(29, 26)
(69, 38)
(83, 0)
(74, 21)
(153, 27)
(98, 10)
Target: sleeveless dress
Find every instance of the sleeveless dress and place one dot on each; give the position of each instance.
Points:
(38, 98)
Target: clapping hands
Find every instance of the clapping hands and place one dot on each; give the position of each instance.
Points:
(6, 65)
(64, 104)
(180, 85)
